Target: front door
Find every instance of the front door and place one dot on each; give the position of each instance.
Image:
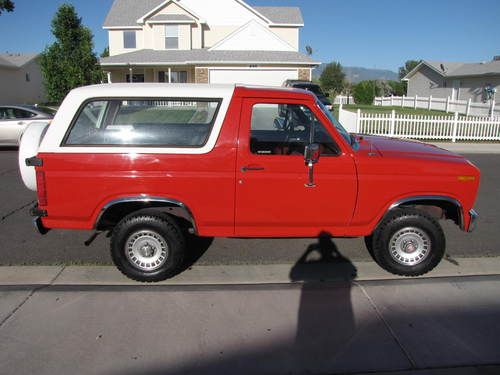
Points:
(273, 198)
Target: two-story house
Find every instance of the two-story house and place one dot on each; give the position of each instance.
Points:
(201, 41)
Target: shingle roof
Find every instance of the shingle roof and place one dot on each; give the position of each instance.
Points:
(127, 12)
(204, 56)
(282, 15)
(16, 60)
(458, 69)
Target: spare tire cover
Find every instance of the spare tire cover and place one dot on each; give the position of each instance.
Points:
(28, 147)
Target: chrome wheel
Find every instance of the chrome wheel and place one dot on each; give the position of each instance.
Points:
(410, 246)
(146, 250)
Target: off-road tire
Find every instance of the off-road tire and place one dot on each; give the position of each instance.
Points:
(161, 224)
(397, 220)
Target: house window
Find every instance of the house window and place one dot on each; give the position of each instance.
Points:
(136, 78)
(171, 37)
(129, 40)
(177, 77)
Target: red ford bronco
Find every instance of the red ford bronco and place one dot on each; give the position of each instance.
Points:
(151, 163)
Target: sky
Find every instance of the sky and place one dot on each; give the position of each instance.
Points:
(380, 34)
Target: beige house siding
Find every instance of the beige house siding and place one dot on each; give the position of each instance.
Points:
(116, 41)
(214, 34)
(288, 34)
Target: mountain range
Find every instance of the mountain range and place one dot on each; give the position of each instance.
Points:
(357, 74)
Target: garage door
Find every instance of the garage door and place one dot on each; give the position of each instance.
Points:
(266, 77)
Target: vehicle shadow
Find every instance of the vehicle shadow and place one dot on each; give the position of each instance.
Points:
(196, 247)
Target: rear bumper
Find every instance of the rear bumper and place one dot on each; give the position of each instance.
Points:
(37, 220)
(473, 217)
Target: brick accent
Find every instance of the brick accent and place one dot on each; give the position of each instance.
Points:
(201, 75)
(304, 74)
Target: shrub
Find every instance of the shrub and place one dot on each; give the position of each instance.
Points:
(365, 91)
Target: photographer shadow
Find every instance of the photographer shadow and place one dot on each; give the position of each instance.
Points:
(326, 324)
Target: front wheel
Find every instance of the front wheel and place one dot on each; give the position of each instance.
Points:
(148, 247)
(408, 242)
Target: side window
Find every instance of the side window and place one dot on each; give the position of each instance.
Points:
(142, 123)
(286, 129)
(21, 113)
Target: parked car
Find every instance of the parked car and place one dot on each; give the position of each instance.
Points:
(312, 87)
(151, 164)
(14, 120)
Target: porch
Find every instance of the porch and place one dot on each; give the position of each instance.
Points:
(138, 74)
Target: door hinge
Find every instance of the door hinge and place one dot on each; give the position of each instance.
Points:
(34, 162)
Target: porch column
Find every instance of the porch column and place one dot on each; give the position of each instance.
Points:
(169, 75)
(131, 73)
(109, 77)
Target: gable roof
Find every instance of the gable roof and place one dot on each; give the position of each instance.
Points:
(252, 35)
(458, 69)
(16, 60)
(282, 15)
(164, 4)
(125, 13)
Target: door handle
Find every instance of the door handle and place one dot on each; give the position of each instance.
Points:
(252, 168)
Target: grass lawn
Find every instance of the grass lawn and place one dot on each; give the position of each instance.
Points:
(379, 109)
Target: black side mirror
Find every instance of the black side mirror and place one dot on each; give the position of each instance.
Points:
(312, 153)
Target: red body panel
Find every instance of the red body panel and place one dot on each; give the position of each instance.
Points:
(354, 190)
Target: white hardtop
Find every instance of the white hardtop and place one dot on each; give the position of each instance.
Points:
(152, 90)
(76, 98)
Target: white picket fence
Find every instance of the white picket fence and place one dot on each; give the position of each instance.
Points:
(464, 107)
(454, 128)
(340, 99)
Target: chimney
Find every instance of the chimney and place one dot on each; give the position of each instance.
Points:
(496, 58)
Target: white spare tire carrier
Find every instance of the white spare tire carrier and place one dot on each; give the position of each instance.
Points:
(28, 148)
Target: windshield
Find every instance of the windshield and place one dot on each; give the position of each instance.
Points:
(312, 88)
(336, 123)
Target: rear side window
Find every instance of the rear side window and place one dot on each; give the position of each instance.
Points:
(143, 123)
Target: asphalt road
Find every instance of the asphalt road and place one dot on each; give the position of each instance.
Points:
(21, 245)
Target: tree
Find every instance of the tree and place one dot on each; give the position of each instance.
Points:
(6, 5)
(105, 53)
(70, 61)
(333, 78)
(408, 67)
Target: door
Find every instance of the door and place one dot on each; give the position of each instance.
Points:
(255, 76)
(272, 196)
(13, 121)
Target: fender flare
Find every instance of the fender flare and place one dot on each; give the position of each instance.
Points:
(169, 205)
(430, 198)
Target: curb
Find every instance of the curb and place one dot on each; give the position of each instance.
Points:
(240, 274)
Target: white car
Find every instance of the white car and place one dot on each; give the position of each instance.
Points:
(14, 120)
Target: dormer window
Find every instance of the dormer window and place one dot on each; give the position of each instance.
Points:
(171, 37)
(129, 40)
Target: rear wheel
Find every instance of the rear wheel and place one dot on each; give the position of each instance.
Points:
(408, 242)
(148, 247)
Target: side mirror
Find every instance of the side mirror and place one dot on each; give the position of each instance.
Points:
(312, 153)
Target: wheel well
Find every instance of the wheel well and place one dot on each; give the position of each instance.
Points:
(114, 212)
(437, 208)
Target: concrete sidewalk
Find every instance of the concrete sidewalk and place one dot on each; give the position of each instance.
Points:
(90, 320)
